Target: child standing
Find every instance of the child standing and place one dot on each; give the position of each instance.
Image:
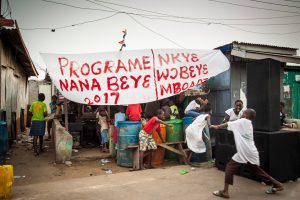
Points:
(196, 137)
(167, 110)
(120, 116)
(103, 120)
(146, 140)
(38, 125)
(234, 113)
(246, 154)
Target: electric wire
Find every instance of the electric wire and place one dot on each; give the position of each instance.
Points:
(178, 45)
(232, 25)
(141, 24)
(72, 25)
(246, 6)
(276, 4)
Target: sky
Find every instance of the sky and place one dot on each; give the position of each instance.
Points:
(190, 24)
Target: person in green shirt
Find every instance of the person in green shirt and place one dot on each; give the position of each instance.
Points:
(38, 124)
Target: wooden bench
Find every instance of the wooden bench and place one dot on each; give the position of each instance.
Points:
(178, 150)
(135, 156)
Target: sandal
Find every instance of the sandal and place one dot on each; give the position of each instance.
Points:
(273, 190)
(219, 193)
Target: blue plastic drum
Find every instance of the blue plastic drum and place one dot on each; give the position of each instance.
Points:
(128, 134)
(186, 121)
(3, 141)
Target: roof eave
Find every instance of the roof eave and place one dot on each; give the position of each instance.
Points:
(35, 72)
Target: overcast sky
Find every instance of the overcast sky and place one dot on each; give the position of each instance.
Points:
(145, 33)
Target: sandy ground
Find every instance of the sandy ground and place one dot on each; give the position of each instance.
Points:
(42, 168)
(166, 184)
(86, 179)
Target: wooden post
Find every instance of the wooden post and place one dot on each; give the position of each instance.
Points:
(66, 114)
(6, 22)
(108, 111)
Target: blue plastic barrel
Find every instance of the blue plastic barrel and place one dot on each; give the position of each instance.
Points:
(3, 140)
(128, 134)
(186, 121)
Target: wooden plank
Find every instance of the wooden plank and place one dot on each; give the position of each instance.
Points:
(171, 149)
(133, 147)
(136, 159)
(184, 158)
(167, 143)
(6, 22)
(170, 143)
(181, 149)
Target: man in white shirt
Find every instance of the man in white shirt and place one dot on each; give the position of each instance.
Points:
(246, 154)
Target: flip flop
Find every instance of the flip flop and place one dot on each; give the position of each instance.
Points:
(219, 193)
(273, 190)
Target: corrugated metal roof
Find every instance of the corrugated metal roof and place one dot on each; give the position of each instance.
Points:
(228, 47)
(225, 48)
(263, 45)
(14, 38)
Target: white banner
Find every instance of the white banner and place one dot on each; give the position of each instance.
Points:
(128, 77)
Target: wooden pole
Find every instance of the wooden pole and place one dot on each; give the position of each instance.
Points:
(66, 114)
(6, 22)
(3, 21)
(108, 111)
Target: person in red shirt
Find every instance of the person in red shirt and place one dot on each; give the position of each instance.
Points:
(133, 112)
(146, 140)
